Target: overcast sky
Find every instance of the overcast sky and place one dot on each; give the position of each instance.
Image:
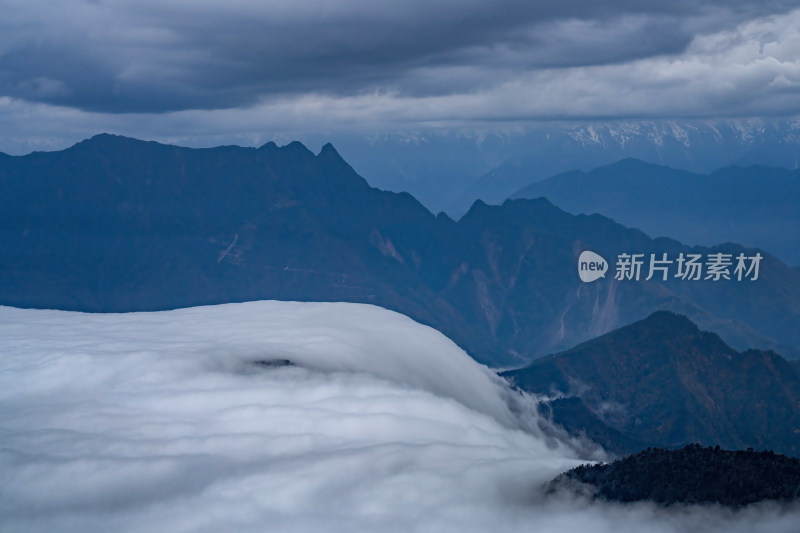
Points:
(250, 68)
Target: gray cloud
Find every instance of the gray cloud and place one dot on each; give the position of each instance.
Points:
(244, 72)
(119, 57)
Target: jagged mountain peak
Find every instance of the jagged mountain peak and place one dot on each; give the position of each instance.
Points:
(269, 146)
(107, 140)
(329, 150)
(329, 155)
(663, 318)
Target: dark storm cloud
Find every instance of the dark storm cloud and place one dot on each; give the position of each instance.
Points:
(122, 57)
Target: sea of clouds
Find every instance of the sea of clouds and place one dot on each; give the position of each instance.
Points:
(162, 422)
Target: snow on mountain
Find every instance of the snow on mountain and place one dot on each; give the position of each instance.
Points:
(734, 132)
(192, 420)
(693, 145)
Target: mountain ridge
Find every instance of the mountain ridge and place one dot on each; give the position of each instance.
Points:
(693, 145)
(664, 381)
(124, 225)
(754, 206)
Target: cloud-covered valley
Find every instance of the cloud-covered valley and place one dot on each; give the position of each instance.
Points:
(163, 422)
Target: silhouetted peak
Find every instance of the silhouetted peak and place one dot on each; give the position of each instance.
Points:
(520, 209)
(297, 147)
(270, 146)
(631, 162)
(329, 154)
(668, 319)
(107, 141)
(478, 204)
(659, 326)
(105, 136)
(329, 150)
(104, 139)
(630, 165)
(478, 207)
(442, 216)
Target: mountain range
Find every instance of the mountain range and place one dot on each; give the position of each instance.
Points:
(114, 224)
(696, 146)
(664, 382)
(756, 206)
(447, 169)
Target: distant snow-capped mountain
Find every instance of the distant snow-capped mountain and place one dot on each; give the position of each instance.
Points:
(447, 169)
(697, 146)
(686, 132)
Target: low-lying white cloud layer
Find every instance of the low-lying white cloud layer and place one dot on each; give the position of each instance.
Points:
(161, 422)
